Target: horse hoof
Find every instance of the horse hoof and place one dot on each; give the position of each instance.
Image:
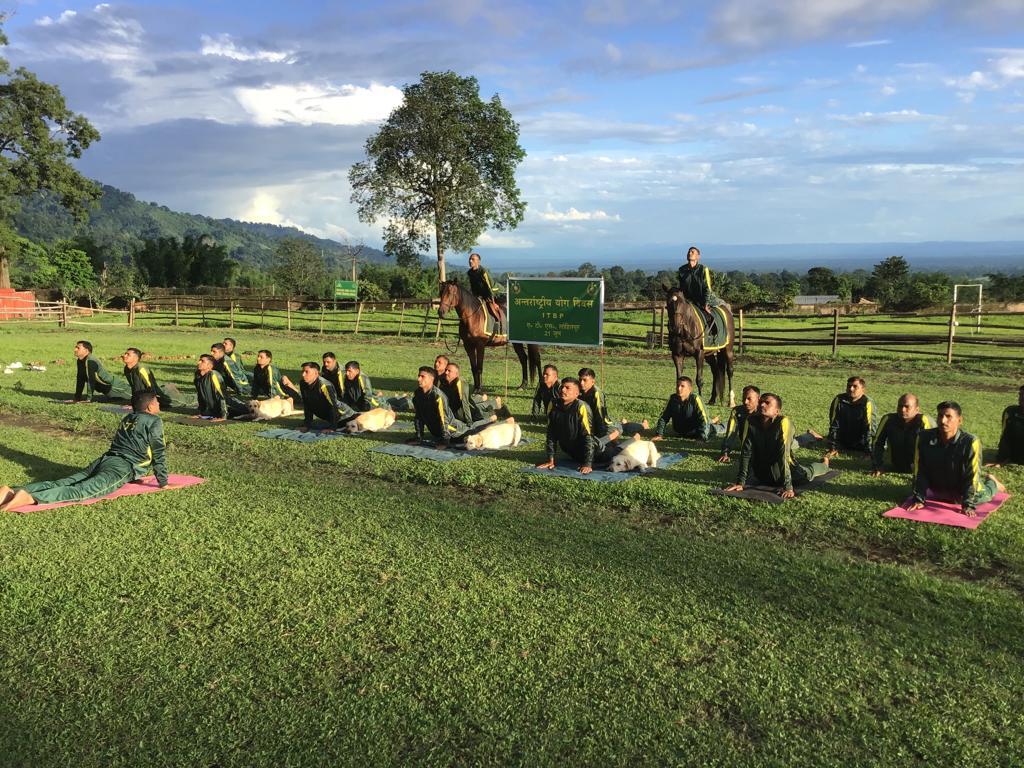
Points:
(524, 385)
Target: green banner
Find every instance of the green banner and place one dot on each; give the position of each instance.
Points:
(346, 289)
(567, 311)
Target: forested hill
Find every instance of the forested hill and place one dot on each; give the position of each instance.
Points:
(120, 223)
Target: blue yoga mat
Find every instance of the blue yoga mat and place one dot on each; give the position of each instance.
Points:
(570, 468)
(420, 452)
(488, 451)
(298, 437)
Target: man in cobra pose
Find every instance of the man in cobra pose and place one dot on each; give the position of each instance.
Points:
(433, 412)
(93, 378)
(852, 421)
(320, 400)
(268, 381)
(356, 389)
(686, 413)
(737, 419)
(1011, 439)
(898, 431)
(140, 377)
(570, 427)
(549, 393)
(214, 401)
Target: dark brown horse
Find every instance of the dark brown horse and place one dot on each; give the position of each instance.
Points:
(686, 339)
(472, 330)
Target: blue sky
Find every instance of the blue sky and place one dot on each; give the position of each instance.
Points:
(648, 125)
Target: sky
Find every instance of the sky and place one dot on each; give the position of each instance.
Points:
(649, 125)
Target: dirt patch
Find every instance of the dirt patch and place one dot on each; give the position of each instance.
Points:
(33, 424)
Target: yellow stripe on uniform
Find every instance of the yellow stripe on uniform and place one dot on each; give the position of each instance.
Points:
(869, 408)
(976, 464)
(216, 382)
(926, 422)
(145, 376)
(703, 410)
(833, 408)
(787, 438)
(585, 417)
(707, 278)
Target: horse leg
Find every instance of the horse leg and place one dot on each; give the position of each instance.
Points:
(524, 363)
(533, 350)
(728, 374)
(699, 357)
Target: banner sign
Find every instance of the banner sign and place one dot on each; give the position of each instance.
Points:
(346, 289)
(567, 311)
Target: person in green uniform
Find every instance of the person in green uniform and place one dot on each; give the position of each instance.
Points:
(604, 430)
(320, 401)
(356, 389)
(766, 451)
(213, 400)
(549, 392)
(481, 287)
(331, 370)
(737, 418)
(268, 381)
(93, 378)
(141, 378)
(234, 377)
(852, 420)
(465, 407)
(898, 431)
(686, 413)
(231, 352)
(440, 366)
(136, 450)
(570, 427)
(1011, 439)
(947, 464)
(695, 283)
(433, 413)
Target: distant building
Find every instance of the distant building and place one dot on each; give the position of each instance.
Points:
(814, 301)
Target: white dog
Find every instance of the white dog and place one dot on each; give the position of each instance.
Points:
(637, 454)
(373, 420)
(274, 408)
(501, 434)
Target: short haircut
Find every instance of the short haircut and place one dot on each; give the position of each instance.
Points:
(908, 396)
(949, 405)
(233, 342)
(454, 365)
(442, 357)
(685, 379)
(428, 369)
(550, 367)
(571, 380)
(209, 358)
(587, 372)
(311, 364)
(751, 388)
(693, 248)
(136, 351)
(218, 346)
(474, 253)
(352, 365)
(88, 346)
(141, 401)
(329, 356)
(266, 352)
(858, 379)
(772, 396)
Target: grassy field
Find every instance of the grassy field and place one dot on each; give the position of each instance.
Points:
(321, 604)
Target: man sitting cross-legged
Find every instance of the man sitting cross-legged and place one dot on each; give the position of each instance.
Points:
(899, 432)
(268, 381)
(93, 378)
(686, 413)
(356, 389)
(947, 463)
(852, 421)
(1011, 439)
(320, 401)
(433, 412)
(137, 449)
(213, 400)
(570, 427)
(766, 451)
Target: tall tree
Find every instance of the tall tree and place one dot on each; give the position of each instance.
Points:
(444, 162)
(299, 269)
(38, 137)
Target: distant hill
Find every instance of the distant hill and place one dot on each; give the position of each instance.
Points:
(120, 223)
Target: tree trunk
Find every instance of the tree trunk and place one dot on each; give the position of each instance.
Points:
(5, 269)
(440, 251)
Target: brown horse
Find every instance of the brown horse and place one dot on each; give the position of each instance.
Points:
(473, 332)
(686, 339)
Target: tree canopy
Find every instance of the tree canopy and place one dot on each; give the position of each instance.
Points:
(38, 137)
(444, 164)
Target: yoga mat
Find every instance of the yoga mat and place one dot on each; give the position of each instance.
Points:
(134, 488)
(767, 493)
(948, 513)
(111, 408)
(570, 468)
(487, 451)
(299, 437)
(420, 452)
(398, 426)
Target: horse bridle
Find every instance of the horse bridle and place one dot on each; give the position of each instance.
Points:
(676, 298)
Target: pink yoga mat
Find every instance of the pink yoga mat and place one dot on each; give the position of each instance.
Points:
(948, 513)
(142, 485)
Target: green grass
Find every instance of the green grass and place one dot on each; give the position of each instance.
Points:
(321, 605)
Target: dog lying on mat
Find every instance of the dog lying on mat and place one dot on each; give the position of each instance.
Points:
(373, 420)
(636, 454)
(502, 434)
(274, 408)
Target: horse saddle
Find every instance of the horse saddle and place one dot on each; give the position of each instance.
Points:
(491, 326)
(716, 332)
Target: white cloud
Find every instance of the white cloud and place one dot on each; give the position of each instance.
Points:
(886, 118)
(574, 215)
(224, 45)
(888, 90)
(868, 43)
(265, 208)
(308, 104)
(65, 17)
(504, 241)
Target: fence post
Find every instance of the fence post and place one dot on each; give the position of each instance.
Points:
(426, 317)
(654, 319)
(322, 318)
(401, 319)
(359, 316)
(175, 312)
(952, 330)
(202, 308)
(835, 331)
(131, 314)
(661, 330)
(231, 304)
(741, 331)
(63, 314)
(263, 312)
(288, 309)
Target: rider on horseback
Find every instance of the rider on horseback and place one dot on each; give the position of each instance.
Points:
(695, 283)
(480, 286)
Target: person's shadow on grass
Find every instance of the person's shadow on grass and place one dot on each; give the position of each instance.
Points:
(38, 467)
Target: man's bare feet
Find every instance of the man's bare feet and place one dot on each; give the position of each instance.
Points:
(614, 435)
(5, 493)
(497, 402)
(20, 498)
(815, 435)
(999, 486)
